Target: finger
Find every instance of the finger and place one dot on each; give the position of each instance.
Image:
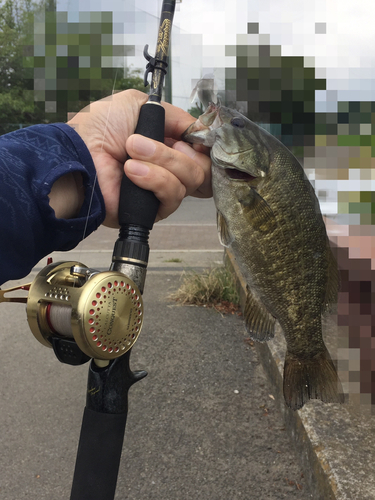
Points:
(204, 161)
(176, 121)
(166, 186)
(201, 148)
(182, 165)
(168, 141)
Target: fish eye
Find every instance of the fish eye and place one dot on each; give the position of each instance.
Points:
(237, 122)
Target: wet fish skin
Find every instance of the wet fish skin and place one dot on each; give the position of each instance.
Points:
(269, 216)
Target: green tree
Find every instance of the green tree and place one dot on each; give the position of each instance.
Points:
(10, 54)
(16, 97)
(50, 66)
(129, 78)
(74, 62)
(277, 89)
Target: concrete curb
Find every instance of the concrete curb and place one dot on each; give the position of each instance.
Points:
(336, 443)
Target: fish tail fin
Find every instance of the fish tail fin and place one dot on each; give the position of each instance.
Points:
(314, 378)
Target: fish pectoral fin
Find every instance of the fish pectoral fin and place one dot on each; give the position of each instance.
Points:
(260, 324)
(225, 237)
(312, 378)
(256, 210)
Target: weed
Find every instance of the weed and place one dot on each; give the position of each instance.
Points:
(210, 288)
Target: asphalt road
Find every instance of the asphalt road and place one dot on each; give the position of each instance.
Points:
(202, 425)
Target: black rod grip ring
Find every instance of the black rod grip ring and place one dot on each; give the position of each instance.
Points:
(138, 206)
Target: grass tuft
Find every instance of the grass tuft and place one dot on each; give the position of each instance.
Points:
(210, 288)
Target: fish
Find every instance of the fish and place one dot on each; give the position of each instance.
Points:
(205, 90)
(269, 217)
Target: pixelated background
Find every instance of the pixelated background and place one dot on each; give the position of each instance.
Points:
(303, 70)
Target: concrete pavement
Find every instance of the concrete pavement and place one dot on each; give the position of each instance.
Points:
(203, 424)
(206, 423)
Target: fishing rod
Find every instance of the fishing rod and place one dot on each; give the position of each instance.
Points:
(105, 415)
(84, 314)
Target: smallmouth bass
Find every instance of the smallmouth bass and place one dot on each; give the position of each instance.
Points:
(269, 216)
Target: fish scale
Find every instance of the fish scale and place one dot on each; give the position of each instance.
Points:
(269, 216)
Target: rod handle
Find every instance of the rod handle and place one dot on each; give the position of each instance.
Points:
(138, 206)
(98, 456)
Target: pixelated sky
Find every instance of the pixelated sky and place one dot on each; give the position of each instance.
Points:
(336, 35)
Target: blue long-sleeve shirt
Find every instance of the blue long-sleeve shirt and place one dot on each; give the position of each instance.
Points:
(31, 160)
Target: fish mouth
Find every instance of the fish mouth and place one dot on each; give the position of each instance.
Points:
(202, 130)
(208, 118)
(238, 175)
(231, 171)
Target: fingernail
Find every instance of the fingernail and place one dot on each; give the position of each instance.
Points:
(137, 168)
(143, 146)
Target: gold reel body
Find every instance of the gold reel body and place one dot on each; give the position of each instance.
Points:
(101, 311)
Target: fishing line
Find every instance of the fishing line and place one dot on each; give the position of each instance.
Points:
(60, 316)
(101, 150)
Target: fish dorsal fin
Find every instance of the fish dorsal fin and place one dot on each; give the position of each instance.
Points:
(222, 228)
(256, 210)
(259, 323)
(333, 283)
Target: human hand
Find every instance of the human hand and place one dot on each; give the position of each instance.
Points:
(172, 170)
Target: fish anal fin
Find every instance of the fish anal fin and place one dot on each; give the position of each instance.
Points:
(313, 378)
(260, 324)
(222, 228)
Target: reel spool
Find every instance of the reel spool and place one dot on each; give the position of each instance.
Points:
(101, 311)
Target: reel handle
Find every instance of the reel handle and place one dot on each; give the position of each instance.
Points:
(137, 206)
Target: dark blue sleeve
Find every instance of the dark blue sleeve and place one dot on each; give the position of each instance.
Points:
(31, 160)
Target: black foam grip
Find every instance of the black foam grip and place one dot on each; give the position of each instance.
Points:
(98, 456)
(138, 206)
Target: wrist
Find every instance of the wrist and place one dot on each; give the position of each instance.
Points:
(67, 195)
